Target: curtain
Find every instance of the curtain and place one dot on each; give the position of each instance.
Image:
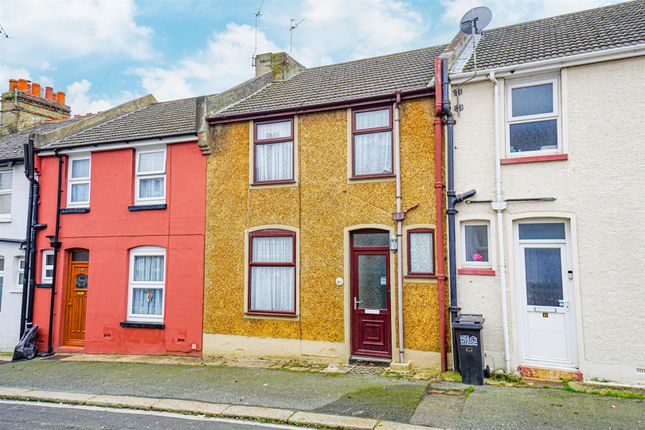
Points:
(272, 289)
(148, 268)
(80, 193)
(421, 253)
(372, 119)
(274, 161)
(147, 301)
(151, 162)
(274, 130)
(373, 153)
(272, 249)
(80, 168)
(151, 187)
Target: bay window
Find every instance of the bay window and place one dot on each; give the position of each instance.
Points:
(272, 272)
(147, 283)
(78, 182)
(273, 152)
(372, 143)
(150, 181)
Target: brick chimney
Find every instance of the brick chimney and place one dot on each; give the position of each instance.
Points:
(25, 105)
(280, 63)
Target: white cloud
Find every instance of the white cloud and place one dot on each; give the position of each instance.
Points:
(82, 101)
(223, 63)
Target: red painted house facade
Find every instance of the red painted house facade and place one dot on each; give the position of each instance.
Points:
(127, 275)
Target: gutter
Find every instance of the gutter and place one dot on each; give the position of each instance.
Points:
(439, 187)
(552, 63)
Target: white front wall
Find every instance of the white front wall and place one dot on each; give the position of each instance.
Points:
(15, 228)
(599, 190)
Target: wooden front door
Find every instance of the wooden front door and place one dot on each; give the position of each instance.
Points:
(76, 286)
(370, 295)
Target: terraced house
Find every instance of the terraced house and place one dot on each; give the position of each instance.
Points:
(323, 230)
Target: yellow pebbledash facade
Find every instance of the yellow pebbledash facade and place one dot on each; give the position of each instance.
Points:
(323, 207)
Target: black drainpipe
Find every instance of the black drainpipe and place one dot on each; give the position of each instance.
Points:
(55, 243)
(453, 199)
(34, 253)
(27, 274)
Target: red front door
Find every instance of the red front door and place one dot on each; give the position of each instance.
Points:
(370, 294)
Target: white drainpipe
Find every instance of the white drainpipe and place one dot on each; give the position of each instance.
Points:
(399, 224)
(499, 205)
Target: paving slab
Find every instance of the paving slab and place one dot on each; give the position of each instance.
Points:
(11, 392)
(123, 401)
(389, 425)
(334, 421)
(258, 413)
(190, 406)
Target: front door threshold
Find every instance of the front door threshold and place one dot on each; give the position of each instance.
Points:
(549, 374)
(369, 361)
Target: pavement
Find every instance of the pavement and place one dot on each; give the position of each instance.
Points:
(351, 399)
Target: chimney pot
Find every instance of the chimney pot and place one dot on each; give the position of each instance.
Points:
(49, 93)
(35, 89)
(13, 83)
(60, 97)
(23, 85)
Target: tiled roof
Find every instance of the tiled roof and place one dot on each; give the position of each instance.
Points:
(11, 145)
(575, 33)
(354, 80)
(163, 119)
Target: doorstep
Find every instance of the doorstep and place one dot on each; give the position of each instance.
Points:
(548, 374)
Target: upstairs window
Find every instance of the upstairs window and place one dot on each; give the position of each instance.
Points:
(6, 181)
(533, 119)
(150, 182)
(147, 284)
(475, 246)
(272, 272)
(372, 143)
(78, 182)
(273, 152)
(421, 252)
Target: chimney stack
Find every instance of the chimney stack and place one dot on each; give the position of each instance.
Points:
(280, 64)
(29, 107)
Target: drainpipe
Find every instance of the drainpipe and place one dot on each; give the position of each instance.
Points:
(399, 216)
(438, 188)
(499, 205)
(56, 245)
(29, 173)
(453, 199)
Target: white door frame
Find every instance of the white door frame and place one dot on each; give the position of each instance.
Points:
(568, 292)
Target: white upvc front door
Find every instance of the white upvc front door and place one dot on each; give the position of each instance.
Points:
(545, 294)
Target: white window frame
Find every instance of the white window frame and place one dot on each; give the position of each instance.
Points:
(464, 260)
(44, 279)
(510, 119)
(84, 180)
(8, 191)
(149, 175)
(2, 285)
(146, 251)
(17, 271)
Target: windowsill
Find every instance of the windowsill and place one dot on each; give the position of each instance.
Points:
(138, 324)
(5, 219)
(534, 159)
(421, 276)
(144, 207)
(273, 184)
(74, 211)
(477, 272)
(44, 285)
(370, 179)
(276, 315)
(15, 291)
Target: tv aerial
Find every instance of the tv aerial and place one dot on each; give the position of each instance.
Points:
(475, 20)
(294, 24)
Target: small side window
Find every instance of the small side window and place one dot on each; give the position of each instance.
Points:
(421, 252)
(48, 267)
(475, 244)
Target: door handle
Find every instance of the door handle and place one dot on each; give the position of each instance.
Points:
(356, 302)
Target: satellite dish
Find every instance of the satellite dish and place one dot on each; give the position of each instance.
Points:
(475, 20)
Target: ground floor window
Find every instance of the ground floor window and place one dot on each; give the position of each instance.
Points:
(475, 244)
(421, 252)
(1, 279)
(272, 272)
(147, 284)
(48, 267)
(20, 272)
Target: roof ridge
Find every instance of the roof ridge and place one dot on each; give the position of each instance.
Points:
(579, 12)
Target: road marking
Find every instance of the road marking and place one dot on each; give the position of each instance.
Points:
(153, 413)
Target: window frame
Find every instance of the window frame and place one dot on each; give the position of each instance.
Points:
(147, 251)
(2, 277)
(257, 141)
(554, 115)
(410, 273)
(155, 174)
(372, 130)
(44, 279)
(19, 260)
(78, 181)
(272, 232)
(9, 192)
(465, 263)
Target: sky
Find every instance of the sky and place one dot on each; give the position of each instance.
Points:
(103, 53)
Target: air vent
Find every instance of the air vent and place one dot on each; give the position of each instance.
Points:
(640, 370)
